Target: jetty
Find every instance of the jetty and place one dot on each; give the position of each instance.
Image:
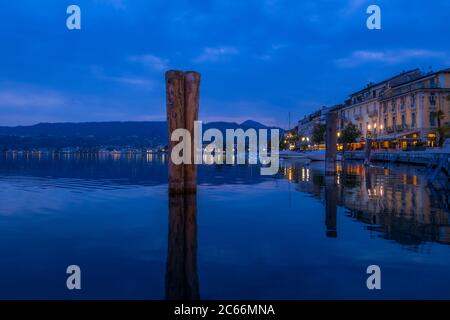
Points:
(436, 161)
(411, 157)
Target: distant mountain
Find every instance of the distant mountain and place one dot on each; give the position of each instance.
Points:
(95, 134)
(249, 124)
(98, 129)
(253, 124)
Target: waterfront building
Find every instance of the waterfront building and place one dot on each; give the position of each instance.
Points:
(401, 111)
(307, 124)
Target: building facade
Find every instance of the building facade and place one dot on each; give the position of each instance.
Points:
(306, 126)
(407, 108)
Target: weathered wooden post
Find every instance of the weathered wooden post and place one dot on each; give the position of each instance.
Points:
(191, 98)
(368, 150)
(182, 98)
(175, 120)
(330, 143)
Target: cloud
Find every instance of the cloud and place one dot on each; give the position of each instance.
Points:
(150, 61)
(130, 81)
(361, 57)
(25, 98)
(117, 4)
(352, 6)
(216, 54)
(123, 79)
(268, 54)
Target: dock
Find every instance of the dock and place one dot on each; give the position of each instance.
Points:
(437, 160)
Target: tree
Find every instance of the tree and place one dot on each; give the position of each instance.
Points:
(318, 134)
(439, 115)
(349, 134)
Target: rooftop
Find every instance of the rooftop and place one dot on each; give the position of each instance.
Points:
(414, 72)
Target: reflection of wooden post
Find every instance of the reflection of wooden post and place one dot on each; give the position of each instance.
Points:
(191, 94)
(175, 120)
(175, 253)
(368, 150)
(367, 178)
(331, 199)
(330, 143)
(190, 238)
(181, 268)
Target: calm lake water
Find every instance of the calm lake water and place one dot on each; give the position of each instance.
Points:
(297, 235)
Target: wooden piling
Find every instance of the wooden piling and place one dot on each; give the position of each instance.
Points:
(175, 120)
(191, 99)
(331, 140)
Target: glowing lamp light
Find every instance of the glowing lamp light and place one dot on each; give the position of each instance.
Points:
(369, 127)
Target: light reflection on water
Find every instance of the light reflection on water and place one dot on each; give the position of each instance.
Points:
(296, 235)
(393, 200)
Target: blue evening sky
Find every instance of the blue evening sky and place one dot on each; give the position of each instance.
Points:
(259, 59)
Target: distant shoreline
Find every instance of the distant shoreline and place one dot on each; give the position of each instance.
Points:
(83, 152)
